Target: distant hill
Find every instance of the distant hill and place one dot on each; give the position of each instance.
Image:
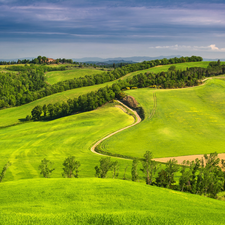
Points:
(205, 59)
(124, 59)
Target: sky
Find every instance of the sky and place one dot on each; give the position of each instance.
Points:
(107, 28)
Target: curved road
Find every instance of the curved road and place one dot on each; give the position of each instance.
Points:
(179, 159)
(138, 120)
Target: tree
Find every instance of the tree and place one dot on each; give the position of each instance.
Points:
(149, 167)
(71, 167)
(115, 169)
(172, 68)
(171, 168)
(105, 166)
(36, 112)
(2, 175)
(134, 172)
(45, 168)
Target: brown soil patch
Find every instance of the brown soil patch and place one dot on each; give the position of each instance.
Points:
(180, 159)
(130, 101)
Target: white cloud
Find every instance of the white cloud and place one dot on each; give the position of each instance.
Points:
(211, 47)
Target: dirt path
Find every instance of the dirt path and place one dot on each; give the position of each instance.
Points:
(138, 120)
(179, 159)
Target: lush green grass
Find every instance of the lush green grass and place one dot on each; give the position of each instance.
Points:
(27, 144)
(187, 121)
(102, 201)
(57, 76)
(14, 115)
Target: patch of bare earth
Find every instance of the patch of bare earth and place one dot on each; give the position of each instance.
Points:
(190, 158)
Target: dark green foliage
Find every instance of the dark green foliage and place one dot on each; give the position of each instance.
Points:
(175, 79)
(203, 177)
(172, 68)
(71, 167)
(134, 171)
(45, 168)
(149, 167)
(115, 169)
(29, 84)
(2, 174)
(104, 167)
(36, 112)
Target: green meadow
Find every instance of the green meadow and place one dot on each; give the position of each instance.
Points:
(57, 76)
(27, 144)
(15, 115)
(186, 122)
(102, 201)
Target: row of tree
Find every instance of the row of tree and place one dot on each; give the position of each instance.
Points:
(70, 169)
(38, 60)
(175, 78)
(15, 94)
(201, 176)
(83, 103)
(171, 79)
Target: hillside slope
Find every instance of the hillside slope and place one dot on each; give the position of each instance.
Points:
(102, 201)
(186, 122)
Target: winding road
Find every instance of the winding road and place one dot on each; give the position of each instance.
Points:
(179, 159)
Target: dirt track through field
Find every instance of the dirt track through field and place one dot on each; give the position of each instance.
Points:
(179, 159)
(138, 120)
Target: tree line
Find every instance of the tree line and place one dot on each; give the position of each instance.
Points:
(176, 78)
(18, 93)
(170, 79)
(38, 60)
(202, 176)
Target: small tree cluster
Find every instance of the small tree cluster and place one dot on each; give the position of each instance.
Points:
(107, 165)
(70, 169)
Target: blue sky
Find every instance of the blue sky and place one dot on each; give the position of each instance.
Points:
(101, 28)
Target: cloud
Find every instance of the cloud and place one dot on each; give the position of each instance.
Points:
(211, 47)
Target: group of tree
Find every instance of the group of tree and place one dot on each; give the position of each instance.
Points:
(70, 169)
(202, 177)
(171, 79)
(86, 102)
(38, 60)
(18, 92)
(175, 78)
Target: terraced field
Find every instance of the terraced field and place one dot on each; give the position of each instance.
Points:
(186, 122)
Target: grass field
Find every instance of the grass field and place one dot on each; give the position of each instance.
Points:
(187, 122)
(16, 114)
(102, 201)
(57, 76)
(27, 144)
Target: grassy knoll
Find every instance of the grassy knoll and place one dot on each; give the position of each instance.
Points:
(102, 201)
(27, 144)
(57, 76)
(187, 121)
(14, 115)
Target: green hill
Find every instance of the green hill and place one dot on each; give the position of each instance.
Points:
(102, 201)
(186, 122)
(14, 115)
(57, 76)
(27, 144)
